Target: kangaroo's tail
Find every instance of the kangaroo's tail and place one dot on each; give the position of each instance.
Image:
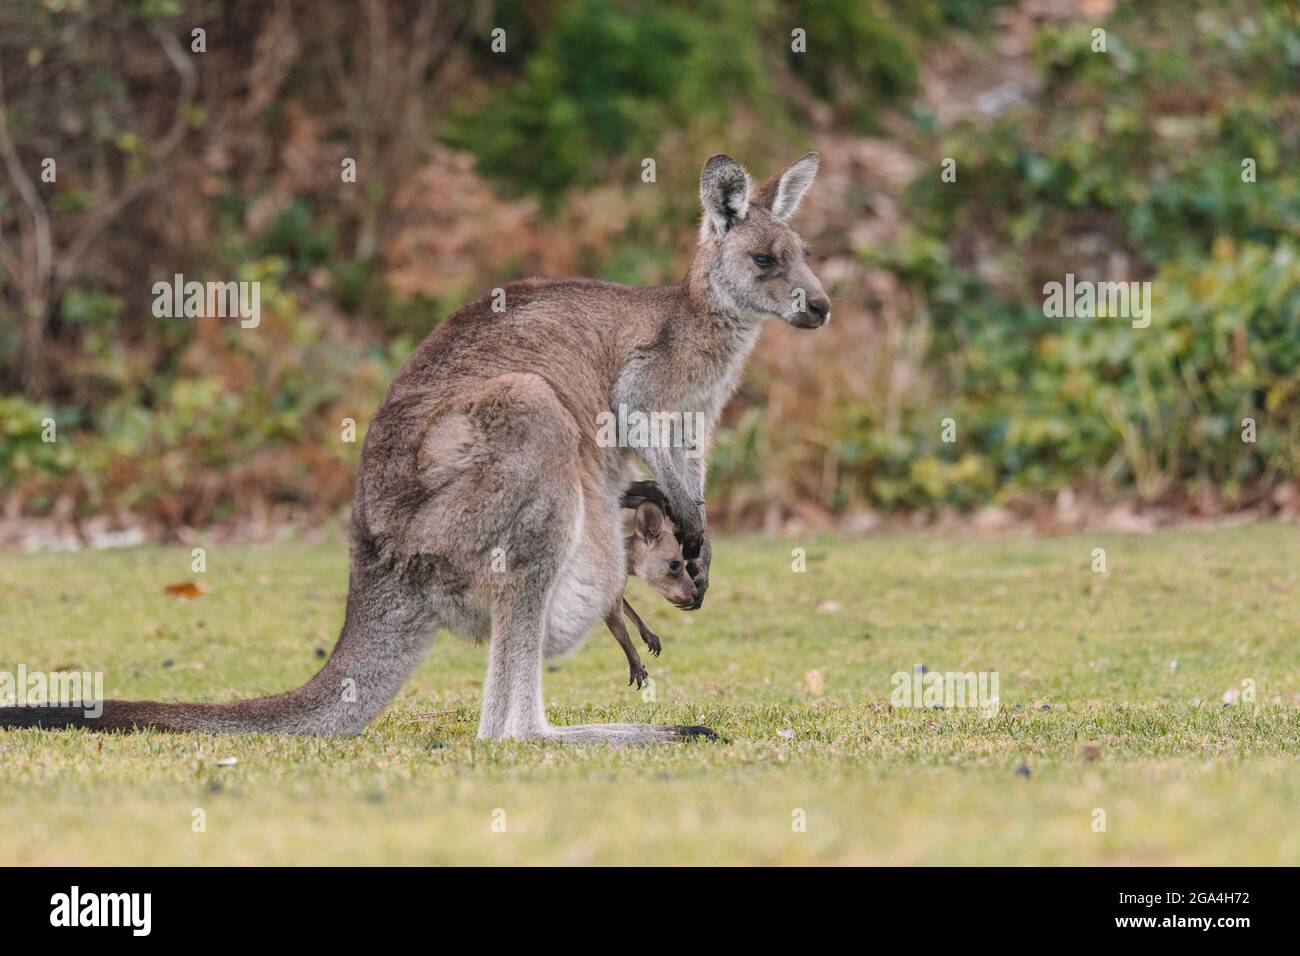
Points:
(363, 674)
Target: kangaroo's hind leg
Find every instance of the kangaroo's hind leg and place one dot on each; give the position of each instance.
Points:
(527, 500)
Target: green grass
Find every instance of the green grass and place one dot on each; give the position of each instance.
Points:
(1182, 778)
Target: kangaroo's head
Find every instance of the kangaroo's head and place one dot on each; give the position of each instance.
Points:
(754, 263)
(655, 556)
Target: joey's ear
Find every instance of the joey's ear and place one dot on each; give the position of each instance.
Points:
(781, 194)
(649, 522)
(724, 192)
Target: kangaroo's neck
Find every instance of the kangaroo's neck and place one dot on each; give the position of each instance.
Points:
(719, 335)
(690, 347)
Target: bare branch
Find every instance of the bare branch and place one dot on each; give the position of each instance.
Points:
(38, 247)
(105, 214)
(273, 55)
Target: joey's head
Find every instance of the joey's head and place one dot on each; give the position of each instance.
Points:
(751, 261)
(654, 555)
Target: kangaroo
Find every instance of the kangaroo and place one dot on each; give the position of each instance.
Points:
(655, 556)
(486, 506)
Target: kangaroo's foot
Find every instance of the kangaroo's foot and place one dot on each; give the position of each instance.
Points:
(617, 734)
(627, 734)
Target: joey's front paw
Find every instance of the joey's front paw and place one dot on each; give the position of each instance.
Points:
(652, 641)
(639, 675)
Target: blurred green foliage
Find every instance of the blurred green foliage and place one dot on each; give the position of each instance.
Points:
(1122, 165)
(1138, 151)
(1042, 403)
(606, 81)
(27, 448)
(1143, 143)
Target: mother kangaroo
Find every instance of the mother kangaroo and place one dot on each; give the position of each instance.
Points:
(485, 503)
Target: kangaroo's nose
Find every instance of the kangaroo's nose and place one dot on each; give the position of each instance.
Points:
(820, 307)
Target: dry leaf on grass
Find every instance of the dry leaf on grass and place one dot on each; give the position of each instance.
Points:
(186, 589)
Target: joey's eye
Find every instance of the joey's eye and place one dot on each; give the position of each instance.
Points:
(764, 262)
(807, 253)
(674, 567)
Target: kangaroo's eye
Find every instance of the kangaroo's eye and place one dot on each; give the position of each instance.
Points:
(674, 567)
(764, 262)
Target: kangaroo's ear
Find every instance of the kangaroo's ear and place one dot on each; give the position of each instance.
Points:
(724, 192)
(649, 522)
(781, 194)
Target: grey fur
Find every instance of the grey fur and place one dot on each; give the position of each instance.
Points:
(486, 440)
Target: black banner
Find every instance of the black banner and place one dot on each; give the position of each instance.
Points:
(1222, 906)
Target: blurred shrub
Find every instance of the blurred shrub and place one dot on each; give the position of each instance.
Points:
(1127, 166)
(295, 234)
(1139, 149)
(1045, 402)
(30, 464)
(606, 81)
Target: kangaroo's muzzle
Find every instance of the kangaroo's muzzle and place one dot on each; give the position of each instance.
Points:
(816, 315)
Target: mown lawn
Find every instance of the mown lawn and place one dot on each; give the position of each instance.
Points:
(1111, 697)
